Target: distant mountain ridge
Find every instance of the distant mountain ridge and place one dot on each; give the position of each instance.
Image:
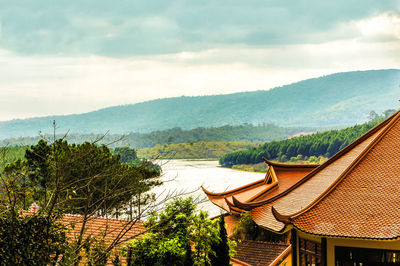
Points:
(334, 100)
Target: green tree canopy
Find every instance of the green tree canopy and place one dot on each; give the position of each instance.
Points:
(170, 234)
(83, 179)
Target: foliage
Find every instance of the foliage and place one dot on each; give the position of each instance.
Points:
(88, 176)
(11, 154)
(197, 150)
(127, 155)
(247, 229)
(30, 240)
(308, 147)
(83, 179)
(242, 133)
(338, 99)
(221, 249)
(204, 234)
(93, 249)
(170, 233)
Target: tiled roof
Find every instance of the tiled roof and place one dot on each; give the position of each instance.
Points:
(311, 187)
(365, 201)
(257, 252)
(99, 227)
(279, 177)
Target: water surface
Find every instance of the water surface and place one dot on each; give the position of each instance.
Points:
(188, 176)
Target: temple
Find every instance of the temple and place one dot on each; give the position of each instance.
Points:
(344, 212)
(278, 179)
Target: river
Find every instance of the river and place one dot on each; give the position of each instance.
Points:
(188, 175)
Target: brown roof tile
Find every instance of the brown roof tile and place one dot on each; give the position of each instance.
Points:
(99, 227)
(279, 177)
(257, 252)
(365, 202)
(311, 187)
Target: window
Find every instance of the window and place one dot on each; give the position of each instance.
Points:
(366, 256)
(309, 252)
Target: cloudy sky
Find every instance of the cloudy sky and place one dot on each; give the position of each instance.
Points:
(61, 57)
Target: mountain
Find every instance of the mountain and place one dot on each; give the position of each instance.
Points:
(334, 100)
(242, 133)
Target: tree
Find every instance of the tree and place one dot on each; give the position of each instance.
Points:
(30, 240)
(127, 155)
(83, 179)
(169, 234)
(247, 229)
(373, 116)
(221, 249)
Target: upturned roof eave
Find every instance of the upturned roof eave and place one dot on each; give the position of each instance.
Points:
(251, 205)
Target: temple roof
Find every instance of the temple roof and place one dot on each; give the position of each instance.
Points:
(278, 178)
(364, 202)
(353, 194)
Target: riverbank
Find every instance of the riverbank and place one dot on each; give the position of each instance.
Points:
(197, 150)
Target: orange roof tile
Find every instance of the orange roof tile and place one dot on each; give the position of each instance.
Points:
(319, 203)
(257, 252)
(99, 227)
(278, 178)
(364, 202)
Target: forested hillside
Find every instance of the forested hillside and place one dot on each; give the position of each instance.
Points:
(323, 144)
(198, 150)
(246, 133)
(333, 100)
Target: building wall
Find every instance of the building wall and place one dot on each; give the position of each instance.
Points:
(287, 261)
(344, 242)
(381, 244)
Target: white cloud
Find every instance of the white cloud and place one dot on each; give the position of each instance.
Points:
(35, 85)
(39, 85)
(383, 25)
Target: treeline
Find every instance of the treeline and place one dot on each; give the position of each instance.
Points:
(197, 150)
(309, 147)
(246, 132)
(11, 154)
(125, 154)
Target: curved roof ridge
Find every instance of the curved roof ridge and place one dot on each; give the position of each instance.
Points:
(226, 193)
(350, 167)
(273, 185)
(239, 204)
(252, 205)
(285, 165)
(232, 206)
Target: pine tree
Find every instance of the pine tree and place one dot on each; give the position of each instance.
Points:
(221, 249)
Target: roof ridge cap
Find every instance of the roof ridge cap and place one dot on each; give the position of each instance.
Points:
(264, 242)
(286, 165)
(346, 172)
(221, 194)
(249, 206)
(98, 217)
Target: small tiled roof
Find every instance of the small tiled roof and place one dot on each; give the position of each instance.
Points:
(257, 252)
(99, 227)
(365, 202)
(279, 177)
